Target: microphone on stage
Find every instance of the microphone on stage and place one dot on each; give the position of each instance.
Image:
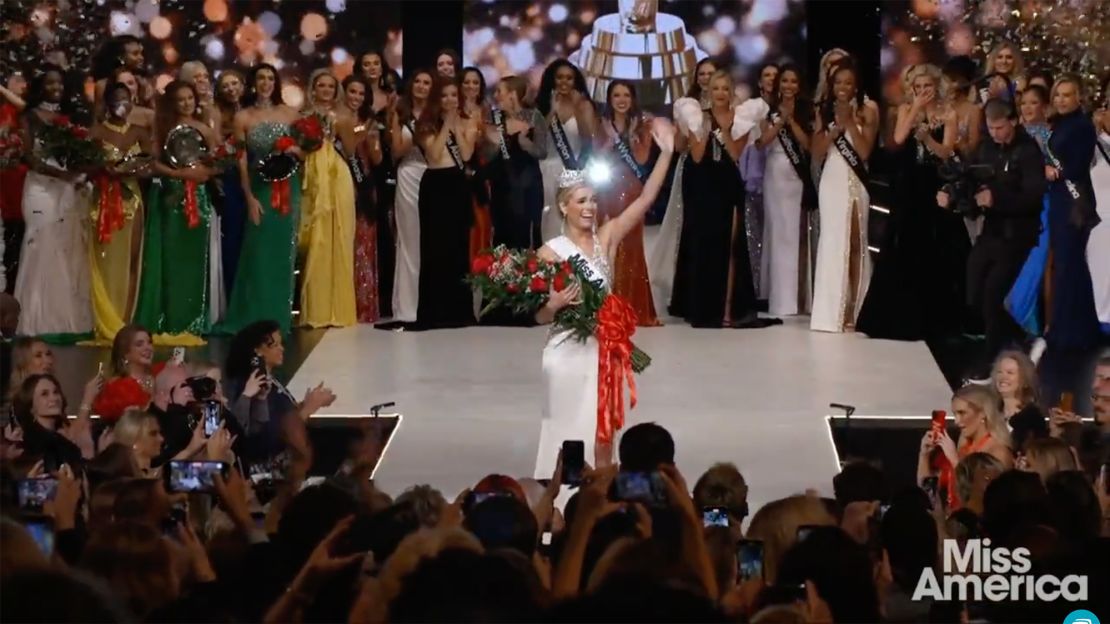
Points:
(848, 409)
(376, 409)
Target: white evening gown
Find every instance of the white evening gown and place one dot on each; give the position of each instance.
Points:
(569, 380)
(406, 275)
(839, 193)
(551, 225)
(782, 223)
(1098, 245)
(53, 282)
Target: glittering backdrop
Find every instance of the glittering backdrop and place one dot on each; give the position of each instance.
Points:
(297, 36)
(1055, 35)
(504, 37)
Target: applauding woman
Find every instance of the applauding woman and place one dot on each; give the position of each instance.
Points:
(447, 139)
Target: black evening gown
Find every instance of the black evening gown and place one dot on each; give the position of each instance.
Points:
(385, 187)
(446, 214)
(713, 197)
(917, 287)
(516, 197)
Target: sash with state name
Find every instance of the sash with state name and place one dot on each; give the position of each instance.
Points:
(502, 132)
(455, 151)
(562, 144)
(848, 152)
(799, 159)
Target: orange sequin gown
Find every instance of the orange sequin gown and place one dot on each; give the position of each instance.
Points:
(630, 274)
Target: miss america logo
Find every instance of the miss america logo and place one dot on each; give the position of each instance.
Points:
(980, 572)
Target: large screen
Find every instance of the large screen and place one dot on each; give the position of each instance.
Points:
(607, 39)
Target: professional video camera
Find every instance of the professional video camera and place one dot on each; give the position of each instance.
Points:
(962, 180)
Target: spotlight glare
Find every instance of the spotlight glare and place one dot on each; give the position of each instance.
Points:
(598, 172)
(214, 49)
(339, 56)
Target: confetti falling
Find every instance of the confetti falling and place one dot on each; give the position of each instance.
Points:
(1053, 36)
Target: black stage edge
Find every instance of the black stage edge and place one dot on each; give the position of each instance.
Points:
(430, 26)
(890, 444)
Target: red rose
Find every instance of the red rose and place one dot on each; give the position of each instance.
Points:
(80, 132)
(538, 284)
(62, 120)
(482, 263)
(532, 265)
(560, 282)
(512, 288)
(283, 143)
(567, 268)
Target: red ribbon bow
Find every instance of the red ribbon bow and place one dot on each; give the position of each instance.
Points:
(280, 195)
(192, 214)
(616, 322)
(111, 208)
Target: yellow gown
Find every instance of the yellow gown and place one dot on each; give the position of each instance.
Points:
(115, 248)
(327, 240)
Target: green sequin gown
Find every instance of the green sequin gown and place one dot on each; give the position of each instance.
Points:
(173, 293)
(263, 286)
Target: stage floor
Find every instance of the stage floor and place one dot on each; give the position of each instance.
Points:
(472, 398)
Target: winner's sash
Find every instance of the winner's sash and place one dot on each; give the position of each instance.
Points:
(800, 161)
(562, 144)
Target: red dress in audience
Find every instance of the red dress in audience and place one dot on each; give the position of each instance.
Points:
(120, 393)
(11, 196)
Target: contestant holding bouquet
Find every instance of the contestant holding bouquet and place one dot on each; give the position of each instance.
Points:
(53, 282)
(583, 379)
(269, 171)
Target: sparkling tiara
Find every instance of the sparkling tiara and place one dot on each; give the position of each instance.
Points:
(571, 177)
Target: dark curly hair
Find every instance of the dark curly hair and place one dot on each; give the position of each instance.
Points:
(243, 345)
(547, 84)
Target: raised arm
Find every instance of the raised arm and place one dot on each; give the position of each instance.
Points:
(617, 228)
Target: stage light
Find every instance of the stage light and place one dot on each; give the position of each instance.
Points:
(270, 22)
(146, 10)
(122, 23)
(725, 25)
(160, 27)
(270, 47)
(521, 55)
(336, 6)
(214, 49)
(314, 26)
(339, 56)
(293, 95)
(40, 16)
(751, 49)
(598, 172)
(307, 47)
(170, 54)
(215, 10)
(557, 13)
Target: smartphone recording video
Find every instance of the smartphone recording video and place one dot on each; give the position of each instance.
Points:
(195, 476)
(714, 516)
(804, 531)
(43, 535)
(213, 417)
(641, 487)
(33, 493)
(749, 559)
(574, 461)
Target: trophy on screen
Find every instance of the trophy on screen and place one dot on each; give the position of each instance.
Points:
(652, 50)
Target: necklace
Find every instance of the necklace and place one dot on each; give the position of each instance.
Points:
(117, 129)
(264, 104)
(50, 107)
(146, 382)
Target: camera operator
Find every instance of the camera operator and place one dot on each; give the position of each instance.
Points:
(1011, 201)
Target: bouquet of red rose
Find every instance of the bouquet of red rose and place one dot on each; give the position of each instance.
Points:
(226, 155)
(521, 281)
(11, 148)
(308, 132)
(69, 145)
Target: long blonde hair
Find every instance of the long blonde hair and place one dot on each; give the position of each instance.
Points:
(987, 402)
(1019, 61)
(913, 72)
(316, 75)
(823, 72)
(777, 522)
(21, 359)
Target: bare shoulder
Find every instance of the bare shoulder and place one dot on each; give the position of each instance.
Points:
(548, 254)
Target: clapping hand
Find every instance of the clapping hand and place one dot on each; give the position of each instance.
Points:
(559, 299)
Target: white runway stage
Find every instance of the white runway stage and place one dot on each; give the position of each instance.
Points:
(471, 398)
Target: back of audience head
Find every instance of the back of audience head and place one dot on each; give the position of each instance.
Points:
(909, 537)
(425, 501)
(503, 522)
(1015, 500)
(777, 523)
(136, 562)
(973, 474)
(1047, 456)
(644, 447)
(73, 597)
(1075, 506)
(723, 486)
(20, 552)
(839, 569)
(142, 500)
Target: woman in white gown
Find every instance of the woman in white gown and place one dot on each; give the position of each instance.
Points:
(410, 169)
(843, 267)
(570, 368)
(571, 121)
(53, 281)
(1098, 246)
(782, 196)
